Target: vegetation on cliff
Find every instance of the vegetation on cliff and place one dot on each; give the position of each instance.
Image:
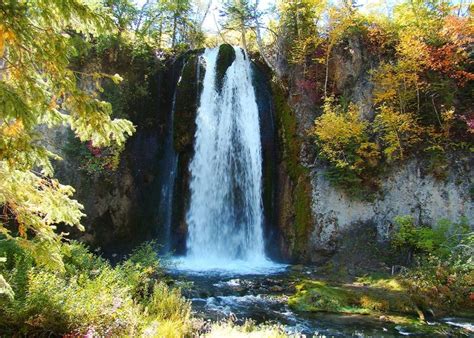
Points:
(422, 79)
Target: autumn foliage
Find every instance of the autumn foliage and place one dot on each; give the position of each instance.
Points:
(422, 96)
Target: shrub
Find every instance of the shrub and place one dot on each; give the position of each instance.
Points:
(439, 240)
(248, 329)
(343, 139)
(168, 314)
(442, 275)
(90, 295)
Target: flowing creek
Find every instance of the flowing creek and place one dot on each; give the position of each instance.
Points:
(264, 299)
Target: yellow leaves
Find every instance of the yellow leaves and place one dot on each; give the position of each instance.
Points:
(339, 132)
(12, 129)
(5, 37)
(116, 78)
(447, 120)
(412, 50)
(396, 85)
(399, 131)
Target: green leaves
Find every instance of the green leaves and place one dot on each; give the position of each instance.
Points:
(439, 240)
(39, 90)
(121, 300)
(5, 288)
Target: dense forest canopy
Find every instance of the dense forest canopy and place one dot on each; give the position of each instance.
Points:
(422, 71)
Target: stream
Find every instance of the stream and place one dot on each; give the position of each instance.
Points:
(263, 298)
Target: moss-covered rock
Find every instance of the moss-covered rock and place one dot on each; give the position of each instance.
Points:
(385, 297)
(225, 58)
(186, 104)
(294, 196)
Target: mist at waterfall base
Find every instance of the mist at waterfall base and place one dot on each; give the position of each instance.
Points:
(226, 214)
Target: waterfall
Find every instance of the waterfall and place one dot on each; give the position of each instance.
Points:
(225, 215)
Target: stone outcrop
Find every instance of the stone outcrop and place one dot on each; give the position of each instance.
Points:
(406, 189)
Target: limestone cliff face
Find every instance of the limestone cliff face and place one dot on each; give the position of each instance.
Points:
(406, 189)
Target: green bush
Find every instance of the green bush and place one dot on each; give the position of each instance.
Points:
(439, 240)
(168, 314)
(442, 274)
(90, 295)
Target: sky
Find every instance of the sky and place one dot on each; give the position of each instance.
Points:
(210, 24)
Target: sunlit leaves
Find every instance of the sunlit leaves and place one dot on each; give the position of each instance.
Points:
(38, 89)
(342, 137)
(399, 131)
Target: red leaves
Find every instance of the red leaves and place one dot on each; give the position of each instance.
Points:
(96, 151)
(449, 59)
(452, 57)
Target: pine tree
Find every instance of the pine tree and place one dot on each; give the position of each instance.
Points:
(38, 89)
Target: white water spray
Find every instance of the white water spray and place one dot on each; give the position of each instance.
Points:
(226, 214)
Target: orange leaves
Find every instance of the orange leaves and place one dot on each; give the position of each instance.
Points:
(458, 29)
(452, 57)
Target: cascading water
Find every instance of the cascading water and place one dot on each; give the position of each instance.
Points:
(225, 215)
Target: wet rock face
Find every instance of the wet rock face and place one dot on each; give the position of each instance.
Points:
(186, 99)
(124, 207)
(225, 58)
(268, 137)
(121, 205)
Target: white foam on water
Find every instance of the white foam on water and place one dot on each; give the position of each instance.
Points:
(234, 267)
(458, 323)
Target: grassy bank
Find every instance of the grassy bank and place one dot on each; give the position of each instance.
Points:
(84, 294)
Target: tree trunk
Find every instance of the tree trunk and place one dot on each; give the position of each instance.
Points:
(259, 39)
(160, 33)
(175, 21)
(242, 26)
